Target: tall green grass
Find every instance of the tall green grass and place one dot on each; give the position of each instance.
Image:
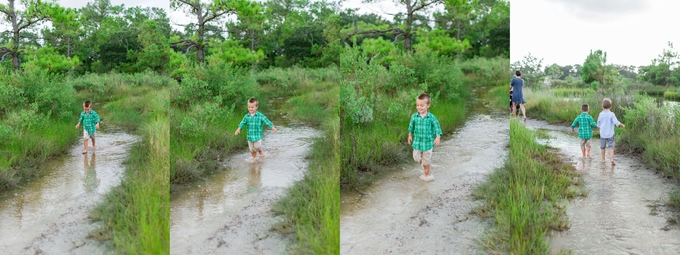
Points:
(39, 112)
(651, 130)
(135, 215)
(377, 102)
(206, 112)
(525, 197)
(312, 206)
(555, 109)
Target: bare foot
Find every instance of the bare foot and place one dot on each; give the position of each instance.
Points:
(84, 152)
(584, 156)
(590, 157)
(613, 163)
(603, 161)
(525, 119)
(261, 154)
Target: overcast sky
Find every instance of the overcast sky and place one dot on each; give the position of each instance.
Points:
(143, 3)
(632, 32)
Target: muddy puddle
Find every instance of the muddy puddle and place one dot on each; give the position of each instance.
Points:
(231, 211)
(624, 212)
(50, 213)
(401, 214)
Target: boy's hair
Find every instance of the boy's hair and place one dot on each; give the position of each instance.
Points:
(584, 107)
(253, 100)
(424, 96)
(607, 103)
(518, 73)
(87, 103)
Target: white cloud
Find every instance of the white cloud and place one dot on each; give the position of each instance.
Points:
(564, 32)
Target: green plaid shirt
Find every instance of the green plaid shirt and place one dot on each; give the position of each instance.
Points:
(254, 123)
(584, 122)
(89, 121)
(424, 130)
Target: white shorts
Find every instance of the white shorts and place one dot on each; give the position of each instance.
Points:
(87, 135)
(255, 146)
(422, 157)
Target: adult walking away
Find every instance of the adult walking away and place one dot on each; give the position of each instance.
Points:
(518, 95)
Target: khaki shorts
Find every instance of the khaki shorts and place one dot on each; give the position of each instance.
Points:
(254, 146)
(585, 143)
(87, 135)
(422, 157)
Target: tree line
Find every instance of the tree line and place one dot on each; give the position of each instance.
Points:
(100, 37)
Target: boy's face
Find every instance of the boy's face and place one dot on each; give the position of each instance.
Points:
(252, 108)
(87, 109)
(422, 106)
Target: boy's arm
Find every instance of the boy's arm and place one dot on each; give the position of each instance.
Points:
(437, 130)
(592, 122)
(615, 121)
(96, 119)
(573, 124)
(80, 120)
(411, 125)
(241, 125)
(269, 123)
(410, 131)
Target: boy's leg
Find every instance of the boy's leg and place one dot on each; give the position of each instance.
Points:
(93, 146)
(261, 154)
(583, 147)
(514, 109)
(85, 138)
(602, 146)
(251, 146)
(427, 155)
(588, 151)
(611, 150)
(524, 112)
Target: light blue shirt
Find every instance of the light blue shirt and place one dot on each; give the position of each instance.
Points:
(606, 122)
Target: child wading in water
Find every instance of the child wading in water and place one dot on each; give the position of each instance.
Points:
(254, 121)
(585, 132)
(90, 121)
(606, 122)
(424, 133)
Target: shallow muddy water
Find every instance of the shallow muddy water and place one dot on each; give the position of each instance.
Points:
(624, 212)
(50, 213)
(231, 211)
(401, 214)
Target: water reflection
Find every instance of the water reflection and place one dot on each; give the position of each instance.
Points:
(254, 176)
(90, 181)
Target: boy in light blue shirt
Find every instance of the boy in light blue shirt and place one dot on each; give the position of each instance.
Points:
(606, 122)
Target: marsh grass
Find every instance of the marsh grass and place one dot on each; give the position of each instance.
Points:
(526, 197)
(41, 125)
(202, 132)
(24, 151)
(135, 215)
(312, 206)
(651, 130)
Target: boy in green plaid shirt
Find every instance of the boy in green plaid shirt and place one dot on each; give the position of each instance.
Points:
(424, 133)
(90, 121)
(254, 120)
(585, 132)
